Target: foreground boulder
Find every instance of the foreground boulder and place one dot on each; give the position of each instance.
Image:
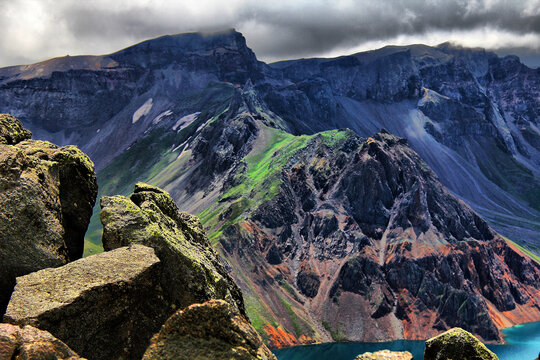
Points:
(12, 131)
(18, 343)
(385, 355)
(105, 306)
(46, 198)
(213, 330)
(457, 343)
(192, 272)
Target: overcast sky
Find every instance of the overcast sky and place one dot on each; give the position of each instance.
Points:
(35, 30)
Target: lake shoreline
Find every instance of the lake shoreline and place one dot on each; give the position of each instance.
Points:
(520, 342)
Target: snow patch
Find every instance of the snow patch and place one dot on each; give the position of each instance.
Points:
(180, 146)
(160, 117)
(143, 110)
(203, 125)
(185, 121)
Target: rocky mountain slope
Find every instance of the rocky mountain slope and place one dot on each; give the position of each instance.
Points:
(471, 115)
(319, 226)
(333, 236)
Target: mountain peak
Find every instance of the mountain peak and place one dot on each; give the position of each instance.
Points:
(198, 43)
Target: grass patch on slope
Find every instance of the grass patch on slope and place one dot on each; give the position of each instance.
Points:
(151, 159)
(260, 180)
(526, 251)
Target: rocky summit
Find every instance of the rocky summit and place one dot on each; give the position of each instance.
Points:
(106, 306)
(47, 194)
(26, 343)
(192, 270)
(213, 330)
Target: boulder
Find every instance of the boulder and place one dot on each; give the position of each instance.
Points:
(24, 343)
(385, 355)
(457, 343)
(46, 198)
(106, 306)
(192, 270)
(213, 330)
(12, 131)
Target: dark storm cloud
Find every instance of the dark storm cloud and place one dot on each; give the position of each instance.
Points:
(320, 29)
(275, 30)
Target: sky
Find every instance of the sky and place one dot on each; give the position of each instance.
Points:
(36, 30)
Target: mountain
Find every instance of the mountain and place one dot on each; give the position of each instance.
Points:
(343, 234)
(472, 115)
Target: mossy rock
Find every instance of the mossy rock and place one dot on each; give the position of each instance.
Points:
(213, 330)
(193, 272)
(47, 194)
(385, 355)
(457, 344)
(12, 131)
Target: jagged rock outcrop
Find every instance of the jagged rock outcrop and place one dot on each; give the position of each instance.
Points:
(213, 330)
(457, 344)
(105, 306)
(46, 195)
(192, 271)
(28, 343)
(385, 355)
(362, 234)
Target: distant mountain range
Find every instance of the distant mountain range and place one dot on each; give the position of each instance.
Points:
(313, 176)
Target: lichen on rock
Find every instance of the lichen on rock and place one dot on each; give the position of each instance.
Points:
(25, 343)
(105, 306)
(385, 355)
(457, 343)
(193, 272)
(12, 131)
(213, 330)
(47, 194)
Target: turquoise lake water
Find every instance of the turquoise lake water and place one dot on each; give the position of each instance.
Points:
(523, 343)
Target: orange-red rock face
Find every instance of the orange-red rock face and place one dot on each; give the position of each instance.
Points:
(373, 248)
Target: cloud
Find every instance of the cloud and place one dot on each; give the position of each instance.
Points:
(38, 29)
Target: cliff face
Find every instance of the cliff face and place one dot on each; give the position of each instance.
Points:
(477, 112)
(135, 88)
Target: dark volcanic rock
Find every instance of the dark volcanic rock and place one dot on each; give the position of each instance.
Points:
(105, 306)
(308, 281)
(383, 251)
(193, 272)
(29, 343)
(46, 198)
(213, 330)
(457, 344)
